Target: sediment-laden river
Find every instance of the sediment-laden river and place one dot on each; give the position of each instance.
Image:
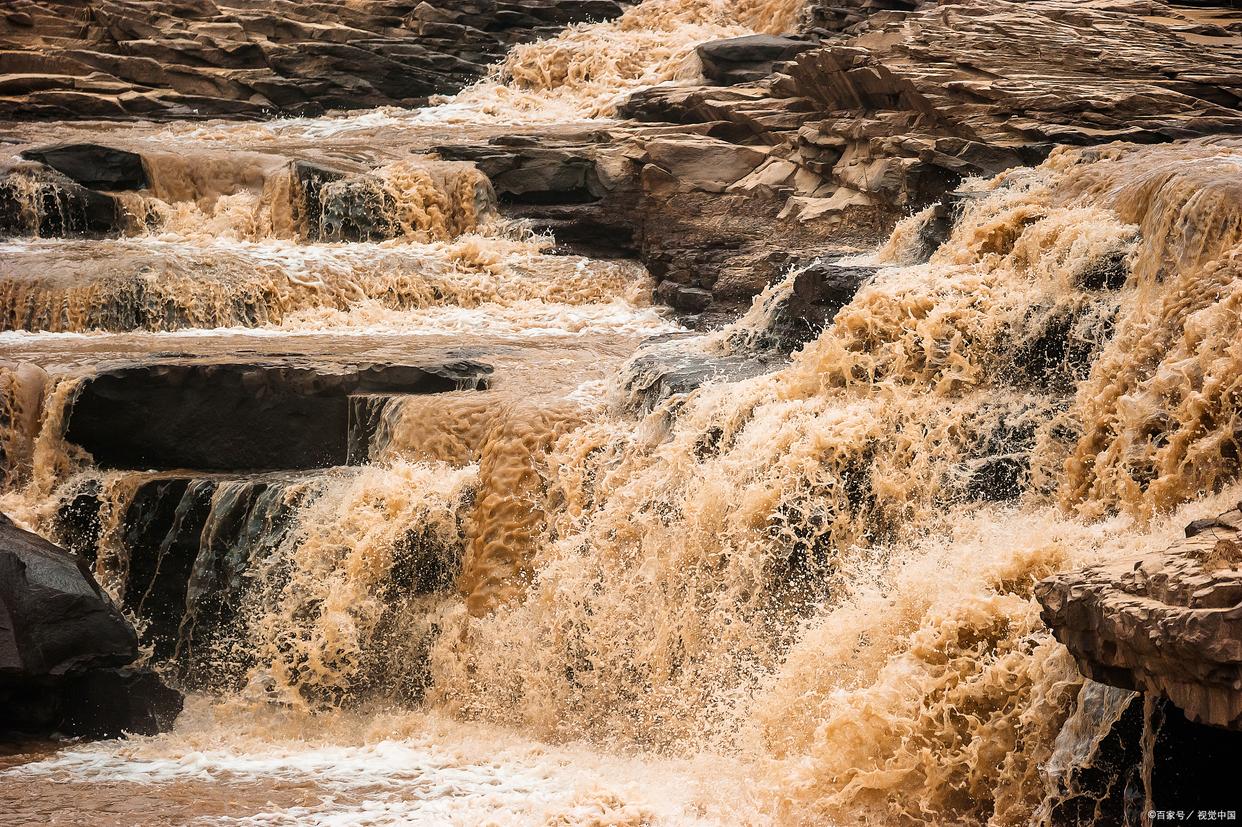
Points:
(558, 587)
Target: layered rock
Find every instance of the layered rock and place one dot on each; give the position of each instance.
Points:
(65, 649)
(237, 416)
(210, 58)
(1168, 623)
(900, 102)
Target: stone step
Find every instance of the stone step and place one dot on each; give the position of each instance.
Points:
(242, 416)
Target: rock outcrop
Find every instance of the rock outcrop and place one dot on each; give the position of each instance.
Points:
(236, 416)
(1168, 623)
(213, 58)
(65, 649)
(898, 103)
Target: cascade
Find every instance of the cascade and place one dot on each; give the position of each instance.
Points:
(433, 515)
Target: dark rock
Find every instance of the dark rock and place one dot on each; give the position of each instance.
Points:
(1109, 272)
(683, 298)
(63, 649)
(55, 620)
(93, 166)
(108, 703)
(238, 416)
(818, 292)
(748, 58)
(48, 204)
(1159, 760)
(355, 209)
(677, 365)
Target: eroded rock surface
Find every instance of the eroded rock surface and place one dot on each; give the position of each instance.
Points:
(1167, 623)
(900, 102)
(210, 58)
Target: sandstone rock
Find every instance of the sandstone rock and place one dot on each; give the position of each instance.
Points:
(188, 59)
(1166, 623)
(889, 114)
(62, 645)
(239, 416)
(747, 58)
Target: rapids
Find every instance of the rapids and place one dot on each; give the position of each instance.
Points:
(798, 598)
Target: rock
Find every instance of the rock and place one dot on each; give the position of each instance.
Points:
(1109, 764)
(1165, 623)
(63, 646)
(355, 209)
(887, 117)
(685, 299)
(93, 166)
(800, 313)
(702, 163)
(188, 59)
(236, 416)
(107, 703)
(668, 366)
(56, 620)
(747, 58)
(44, 203)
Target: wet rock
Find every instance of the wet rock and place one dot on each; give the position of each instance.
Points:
(675, 365)
(818, 292)
(355, 209)
(889, 116)
(239, 416)
(747, 58)
(683, 298)
(1108, 272)
(1165, 623)
(94, 166)
(107, 703)
(56, 620)
(47, 204)
(1114, 759)
(63, 646)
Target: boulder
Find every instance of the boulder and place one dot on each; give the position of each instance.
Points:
(1167, 623)
(64, 646)
(45, 203)
(802, 311)
(676, 364)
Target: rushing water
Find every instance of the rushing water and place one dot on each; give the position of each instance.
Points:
(783, 600)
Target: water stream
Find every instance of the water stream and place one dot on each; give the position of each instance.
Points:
(799, 598)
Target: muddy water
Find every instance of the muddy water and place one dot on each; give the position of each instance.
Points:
(795, 599)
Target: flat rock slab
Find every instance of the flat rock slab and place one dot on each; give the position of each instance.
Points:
(247, 416)
(1168, 623)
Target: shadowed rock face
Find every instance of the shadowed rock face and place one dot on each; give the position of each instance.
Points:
(1168, 623)
(199, 58)
(63, 646)
(239, 416)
